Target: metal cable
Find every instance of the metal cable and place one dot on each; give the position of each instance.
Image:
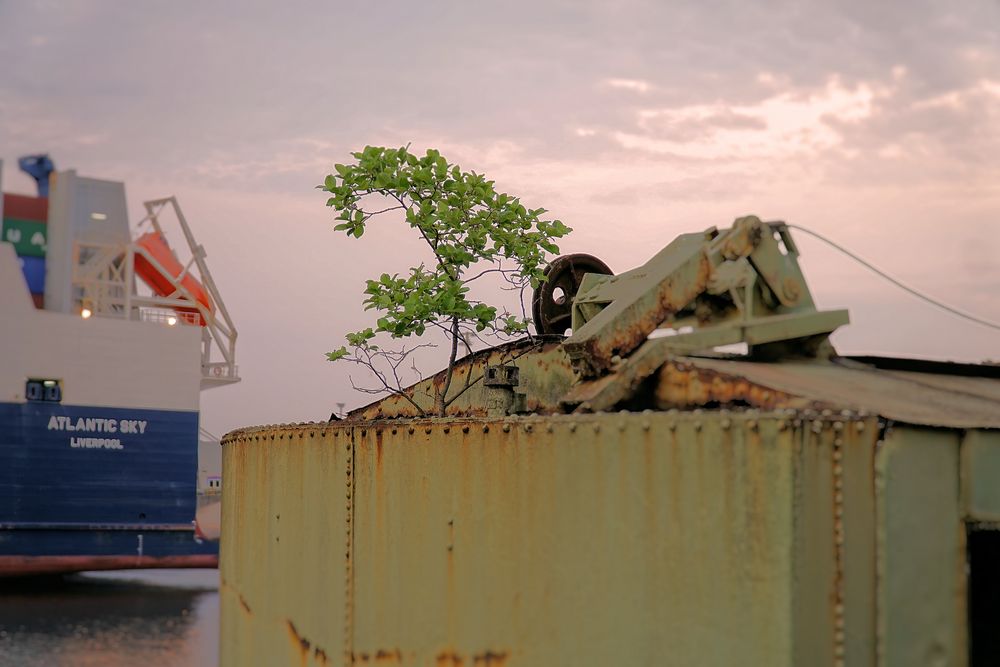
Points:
(902, 286)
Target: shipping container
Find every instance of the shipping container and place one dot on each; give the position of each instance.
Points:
(29, 238)
(24, 207)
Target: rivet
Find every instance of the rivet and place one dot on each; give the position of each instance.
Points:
(838, 426)
(621, 426)
(752, 424)
(506, 428)
(364, 432)
(817, 426)
(838, 469)
(550, 428)
(427, 430)
(859, 426)
(838, 497)
(782, 425)
(572, 428)
(410, 429)
(697, 426)
(837, 455)
(597, 428)
(465, 429)
(394, 429)
(335, 433)
(645, 426)
(486, 429)
(726, 423)
(672, 426)
(528, 428)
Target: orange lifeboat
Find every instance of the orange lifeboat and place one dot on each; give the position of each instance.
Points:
(154, 244)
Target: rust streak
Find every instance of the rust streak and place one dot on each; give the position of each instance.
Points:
(490, 659)
(299, 643)
(449, 659)
(384, 657)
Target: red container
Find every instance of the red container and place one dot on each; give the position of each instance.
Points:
(26, 208)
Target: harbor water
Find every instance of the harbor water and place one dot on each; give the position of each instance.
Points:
(152, 618)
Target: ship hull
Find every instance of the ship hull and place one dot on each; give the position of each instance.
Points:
(87, 487)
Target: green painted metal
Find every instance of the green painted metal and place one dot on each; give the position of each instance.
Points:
(27, 236)
(981, 475)
(743, 284)
(643, 538)
(921, 600)
(624, 501)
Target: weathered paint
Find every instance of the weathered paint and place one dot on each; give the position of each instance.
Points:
(706, 538)
(921, 593)
(981, 475)
(284, 547)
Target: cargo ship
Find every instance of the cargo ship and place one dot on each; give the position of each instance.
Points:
(109, 338)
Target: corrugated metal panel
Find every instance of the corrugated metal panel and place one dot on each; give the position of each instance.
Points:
(285, 548)
(643, 538)
(981, 475)
(921, 550)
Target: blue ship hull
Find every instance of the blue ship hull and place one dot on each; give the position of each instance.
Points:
(98, 488)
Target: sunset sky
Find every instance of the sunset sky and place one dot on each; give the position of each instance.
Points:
(877, 124)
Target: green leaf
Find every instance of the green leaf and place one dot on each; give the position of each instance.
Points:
(337, 354)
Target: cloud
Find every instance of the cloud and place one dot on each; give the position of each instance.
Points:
(778, 126)
(634, 85)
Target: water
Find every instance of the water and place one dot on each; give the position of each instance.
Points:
(148, 618)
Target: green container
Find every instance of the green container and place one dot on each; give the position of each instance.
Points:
(28, 237)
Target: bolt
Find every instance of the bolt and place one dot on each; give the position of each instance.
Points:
(506, 428)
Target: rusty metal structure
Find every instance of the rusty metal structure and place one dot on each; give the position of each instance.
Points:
(630, 495)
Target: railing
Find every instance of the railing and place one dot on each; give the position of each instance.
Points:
(220, 371)
(170, 318)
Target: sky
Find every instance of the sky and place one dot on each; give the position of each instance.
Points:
(876, 124)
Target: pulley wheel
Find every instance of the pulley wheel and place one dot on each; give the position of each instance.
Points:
(552, 302)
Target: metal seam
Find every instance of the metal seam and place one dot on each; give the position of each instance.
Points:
(839, 639)
(349, 554)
